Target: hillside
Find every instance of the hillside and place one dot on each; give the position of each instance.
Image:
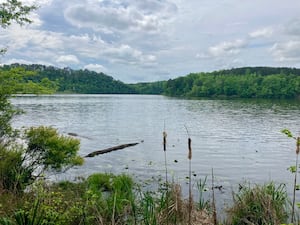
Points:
(247, 82)
(76, 81)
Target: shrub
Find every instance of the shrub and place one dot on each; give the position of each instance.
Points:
(13, 175)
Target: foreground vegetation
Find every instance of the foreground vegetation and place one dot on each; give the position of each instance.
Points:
(99, 199)
(116, 199)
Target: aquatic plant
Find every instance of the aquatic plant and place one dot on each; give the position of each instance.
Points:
(166, 169)
(190, 178)
(213, 197)
(201, 186)
(190, 175)
(294, 169)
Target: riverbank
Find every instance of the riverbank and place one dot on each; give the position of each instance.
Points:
(117, 199)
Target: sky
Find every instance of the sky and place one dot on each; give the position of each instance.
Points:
(150, 40)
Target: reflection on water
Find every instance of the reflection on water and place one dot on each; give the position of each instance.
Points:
(240, 139)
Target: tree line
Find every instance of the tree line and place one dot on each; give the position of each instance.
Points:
(246, 82)
(67, 80)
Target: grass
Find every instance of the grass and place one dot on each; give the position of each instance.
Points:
(266, 204)
(115, 199)
(99, 199)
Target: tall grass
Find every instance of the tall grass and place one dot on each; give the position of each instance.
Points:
(190, 178)
(213, 197)
(201, 186)
(267, 204)
(166, 170)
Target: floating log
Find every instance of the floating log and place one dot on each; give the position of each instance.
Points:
(76, 135)
(115, 148)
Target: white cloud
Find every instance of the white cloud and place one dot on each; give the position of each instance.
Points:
(21, 61)
(95, 67)
(118, 16)
(24, 61)
(134, 39)
(128, 55)
(264, 32)
(289, 51)
(17, 38)
(225, 48)
(67, 59)
(36, 2)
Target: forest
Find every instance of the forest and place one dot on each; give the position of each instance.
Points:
(247, 82)
(67, 80)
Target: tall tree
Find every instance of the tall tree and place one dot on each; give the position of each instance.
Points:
(45, 149)
(10, 11)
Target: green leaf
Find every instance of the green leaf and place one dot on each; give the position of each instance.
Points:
(292, 169)
(287, 133)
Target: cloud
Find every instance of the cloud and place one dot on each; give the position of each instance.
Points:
(53, 45)
(24, 61)
(264, 33)
(68, 59)
(225, 48)
(21, 61)
(293, 27)
(17, 38)
(135, 39)
(289, 51)
(113, 17)
(128, 55)
(95, 67)
(36, 2)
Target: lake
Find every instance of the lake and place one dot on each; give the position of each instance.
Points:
(239, 139)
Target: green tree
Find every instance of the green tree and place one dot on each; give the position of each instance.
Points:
(10, 11)
(44, 149)
(14, 82)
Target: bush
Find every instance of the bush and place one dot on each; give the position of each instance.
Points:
(46, 150)
(13, 175)
(51, 151)
(265, 204)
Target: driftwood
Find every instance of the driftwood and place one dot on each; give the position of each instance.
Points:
(115, 148)
(76, 135)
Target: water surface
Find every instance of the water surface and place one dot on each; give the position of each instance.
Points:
(240, 139)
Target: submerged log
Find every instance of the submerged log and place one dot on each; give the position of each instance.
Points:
(115, 148)
(76, 135)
